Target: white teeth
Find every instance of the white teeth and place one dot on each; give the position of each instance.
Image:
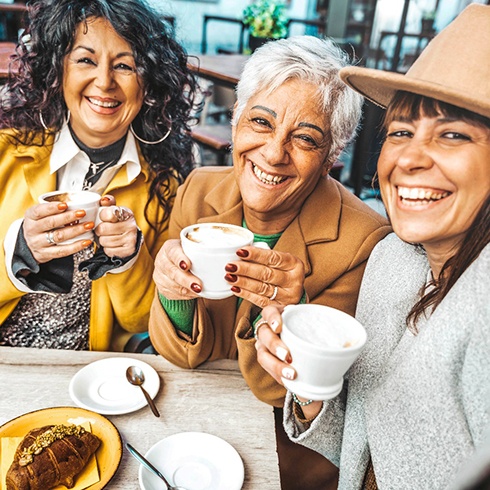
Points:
(419, 194)
(267, 178)
(100, 103)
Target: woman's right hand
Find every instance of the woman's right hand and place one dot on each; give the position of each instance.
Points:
(172, 274)
(45, 226)
(273, 355)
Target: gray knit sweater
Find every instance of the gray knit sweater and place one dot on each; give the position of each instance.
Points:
(418, 405)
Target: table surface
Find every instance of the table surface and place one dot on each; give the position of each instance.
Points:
(13, 7)
(213, 399)
(6, 49)
(224, 69)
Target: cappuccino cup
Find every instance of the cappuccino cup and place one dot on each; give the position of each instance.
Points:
(209, 247)
(86, 200)
(324, 342)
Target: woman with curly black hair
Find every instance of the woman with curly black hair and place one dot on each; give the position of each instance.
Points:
(100, 100)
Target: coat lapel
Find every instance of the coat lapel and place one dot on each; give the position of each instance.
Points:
(225, 199)
(318, 222)
(36, 168)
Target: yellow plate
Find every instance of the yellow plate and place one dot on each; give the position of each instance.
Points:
(109, 453)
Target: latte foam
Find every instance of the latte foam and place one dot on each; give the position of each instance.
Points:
(316, 329)
(215, 235)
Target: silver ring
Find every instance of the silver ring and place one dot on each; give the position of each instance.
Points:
(50, 237)
(274, 294)
(122, 214)
(259, 324)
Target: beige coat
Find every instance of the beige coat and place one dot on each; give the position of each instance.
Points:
(333, 235)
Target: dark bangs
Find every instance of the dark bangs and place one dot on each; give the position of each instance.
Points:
(413, 106)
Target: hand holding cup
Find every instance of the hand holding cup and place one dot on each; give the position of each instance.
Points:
(317, 346)
(195, 265)
(116, 230)
(210, 247)
(86, 201)
(54, 222)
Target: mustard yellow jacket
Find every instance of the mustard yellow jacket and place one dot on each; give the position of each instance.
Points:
(117, 299)
(333, 235)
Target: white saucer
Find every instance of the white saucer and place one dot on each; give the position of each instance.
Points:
(195, 461)
(102, 386)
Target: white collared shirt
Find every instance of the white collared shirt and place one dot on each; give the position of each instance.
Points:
(71, 165)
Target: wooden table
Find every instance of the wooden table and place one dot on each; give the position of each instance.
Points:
(13, 7)
(213, 399)
(223, 69)
(6, 50)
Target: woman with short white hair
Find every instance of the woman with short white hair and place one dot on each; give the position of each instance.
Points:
(292, 119)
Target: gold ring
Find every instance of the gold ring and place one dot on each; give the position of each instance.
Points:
(256, 328)
(50, 238)
(274, 294)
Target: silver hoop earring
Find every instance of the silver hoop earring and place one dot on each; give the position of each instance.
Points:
(150, 142)
(43, 124)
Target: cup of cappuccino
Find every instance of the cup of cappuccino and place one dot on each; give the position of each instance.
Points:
(323, 342)
(210, 246)
(86, 200)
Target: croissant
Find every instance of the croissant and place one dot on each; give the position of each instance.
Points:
(50, 456)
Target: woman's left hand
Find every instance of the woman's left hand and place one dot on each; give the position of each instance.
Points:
(117, 230)
(266, 277)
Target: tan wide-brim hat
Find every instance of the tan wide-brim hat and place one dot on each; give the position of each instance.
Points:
(453, 68)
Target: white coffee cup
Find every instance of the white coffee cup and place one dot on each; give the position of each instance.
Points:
(323, 342)
(210, 246)
(86, 200)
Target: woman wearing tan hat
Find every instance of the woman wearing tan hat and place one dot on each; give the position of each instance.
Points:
(416, 403)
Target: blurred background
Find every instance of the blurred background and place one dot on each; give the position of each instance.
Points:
(385, 34)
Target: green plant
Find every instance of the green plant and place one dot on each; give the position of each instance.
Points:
(266, 18)
(428, 14)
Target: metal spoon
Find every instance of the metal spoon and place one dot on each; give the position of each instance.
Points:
(149, 466)
(135, 376)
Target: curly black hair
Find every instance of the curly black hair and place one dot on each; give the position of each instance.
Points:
(34, 99)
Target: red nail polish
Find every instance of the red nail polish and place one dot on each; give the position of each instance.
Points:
(196, 288)
(242, 253)
(236, 289)
(183, 265)
(231, 268)
(231, 277)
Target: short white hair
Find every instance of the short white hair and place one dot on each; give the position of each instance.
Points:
(311, 60)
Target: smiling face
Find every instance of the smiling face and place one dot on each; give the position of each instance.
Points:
(280, 146)
(101, 88)
(434, 176)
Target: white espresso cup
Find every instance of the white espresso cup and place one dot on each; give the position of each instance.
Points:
(209, 247)
(323, 342)
(86, 200)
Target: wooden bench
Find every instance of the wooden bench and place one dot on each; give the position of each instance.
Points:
(214, 137)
